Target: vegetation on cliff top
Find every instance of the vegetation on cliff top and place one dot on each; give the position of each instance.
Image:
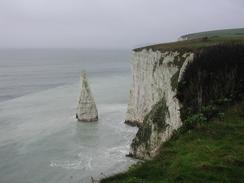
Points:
(216, 33)
(215, 74)
(211, 152)
(192, 45)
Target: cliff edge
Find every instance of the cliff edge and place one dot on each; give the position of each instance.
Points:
(173, 82)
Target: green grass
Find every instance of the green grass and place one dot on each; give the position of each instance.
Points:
(211, 152)
(192, 45)
(218, 33)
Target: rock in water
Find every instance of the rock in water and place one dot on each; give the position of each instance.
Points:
(86, 110)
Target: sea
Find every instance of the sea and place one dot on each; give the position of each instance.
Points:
(40, 139)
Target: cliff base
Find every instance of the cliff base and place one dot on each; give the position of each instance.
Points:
(210, 152)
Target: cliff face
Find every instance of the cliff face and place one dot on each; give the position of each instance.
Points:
(153, 105)
(172, 88)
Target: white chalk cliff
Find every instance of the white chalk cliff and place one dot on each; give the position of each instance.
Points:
(152, 102)
(86, 110)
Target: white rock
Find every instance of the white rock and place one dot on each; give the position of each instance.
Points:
(86, 110)
(152, 73)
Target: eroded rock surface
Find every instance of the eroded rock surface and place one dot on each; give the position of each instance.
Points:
(86, 110)
(152, 102)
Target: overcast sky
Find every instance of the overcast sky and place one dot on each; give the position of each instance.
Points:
(110, 23)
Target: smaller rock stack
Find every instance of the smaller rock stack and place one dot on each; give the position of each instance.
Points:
(86, 110)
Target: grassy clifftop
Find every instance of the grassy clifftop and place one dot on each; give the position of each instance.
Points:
(211, 152)
(195, 44)
(216, 33)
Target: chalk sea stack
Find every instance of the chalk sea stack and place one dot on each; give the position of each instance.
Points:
(86, 110)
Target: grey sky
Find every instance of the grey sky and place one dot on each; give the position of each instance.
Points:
(111, 23)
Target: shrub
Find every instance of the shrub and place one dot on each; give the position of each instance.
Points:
(195, 119)
(221, 116)
(209, 111)
(214, 79)
(241, 109)
(223, 101)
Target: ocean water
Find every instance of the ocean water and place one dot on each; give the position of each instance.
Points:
(40, 139)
